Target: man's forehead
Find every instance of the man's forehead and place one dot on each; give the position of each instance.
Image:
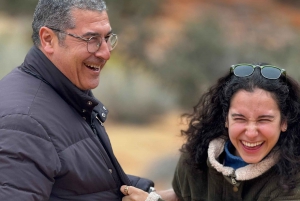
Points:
(91, 22)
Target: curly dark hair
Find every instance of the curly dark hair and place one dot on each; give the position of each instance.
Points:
(207, 121)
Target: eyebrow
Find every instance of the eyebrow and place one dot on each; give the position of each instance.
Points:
(90, 34)
(262, 116)
(267, 116)
(236, 115)
(94, 34)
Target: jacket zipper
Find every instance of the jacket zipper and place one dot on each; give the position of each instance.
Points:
(118, 168)
(99, 120)
(234, 182)
(94, 129)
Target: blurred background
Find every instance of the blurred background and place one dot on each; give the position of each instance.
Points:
(169, 52)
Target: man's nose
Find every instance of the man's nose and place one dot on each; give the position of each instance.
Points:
(104, 51)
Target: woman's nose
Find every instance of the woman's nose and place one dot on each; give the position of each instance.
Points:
(251, 130)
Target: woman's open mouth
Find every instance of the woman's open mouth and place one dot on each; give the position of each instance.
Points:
(252, 145)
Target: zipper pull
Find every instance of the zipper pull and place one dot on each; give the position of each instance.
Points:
(234, 182)
(99, 120)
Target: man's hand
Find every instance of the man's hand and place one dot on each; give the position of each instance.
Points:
(134, 194)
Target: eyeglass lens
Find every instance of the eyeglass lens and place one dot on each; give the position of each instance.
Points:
(268, 72)
(94, 43)
(243, 70)
(271, 72)
(112, 41)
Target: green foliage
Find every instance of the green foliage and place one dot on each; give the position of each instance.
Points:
(18, 7)
(131, 13)
(135, 85)
(194, 61)
(128, 19)
(294, 3)
(286, 57)
(132, 95)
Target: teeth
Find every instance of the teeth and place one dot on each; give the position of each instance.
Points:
(248, 144)
(93, 66)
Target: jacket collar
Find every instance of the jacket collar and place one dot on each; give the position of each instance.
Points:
(251, 171)
(84, 102)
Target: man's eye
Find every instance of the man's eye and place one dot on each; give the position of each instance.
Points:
(93, 38)
(106, 38)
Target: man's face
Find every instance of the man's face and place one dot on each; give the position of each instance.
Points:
(72, 58)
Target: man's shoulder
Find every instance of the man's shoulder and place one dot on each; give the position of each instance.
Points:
(17, 83)
(21, 92)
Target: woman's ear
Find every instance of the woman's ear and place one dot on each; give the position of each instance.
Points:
(284, 126)
(48, 39)
(226, 123)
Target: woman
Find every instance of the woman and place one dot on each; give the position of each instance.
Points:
(243, 140)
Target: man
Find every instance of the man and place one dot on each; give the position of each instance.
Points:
(53, 143)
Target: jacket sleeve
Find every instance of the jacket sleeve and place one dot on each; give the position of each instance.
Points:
(273, 192)
(28, 160)
(141, 183)
(176, 183)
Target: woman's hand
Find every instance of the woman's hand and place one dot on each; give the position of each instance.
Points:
(168, 195)
(133, 194)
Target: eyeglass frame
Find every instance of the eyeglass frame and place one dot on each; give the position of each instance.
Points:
(88, 40)
(282, 71)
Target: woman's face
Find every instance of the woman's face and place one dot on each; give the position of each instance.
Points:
(254, 124)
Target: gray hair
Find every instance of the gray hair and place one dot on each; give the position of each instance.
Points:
(57, 14)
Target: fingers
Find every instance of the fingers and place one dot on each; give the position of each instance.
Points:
(168, 195)
(133, 194)
(125, 189)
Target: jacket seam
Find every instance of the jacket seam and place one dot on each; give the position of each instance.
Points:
(49, 138)
(33, 100)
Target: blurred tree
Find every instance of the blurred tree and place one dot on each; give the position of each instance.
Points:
(18, 7)
(187, 63)
(294, 3)
(128, 19)
(194, 61)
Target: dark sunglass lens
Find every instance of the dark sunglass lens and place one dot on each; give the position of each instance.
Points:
(271, 72)
(243, 70)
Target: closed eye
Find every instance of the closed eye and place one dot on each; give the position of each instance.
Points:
(239, 119)
(264, 120)
(93, 38)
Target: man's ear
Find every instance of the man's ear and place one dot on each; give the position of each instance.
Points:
(48, 39)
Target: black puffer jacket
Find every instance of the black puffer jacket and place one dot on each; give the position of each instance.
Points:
(53, 145)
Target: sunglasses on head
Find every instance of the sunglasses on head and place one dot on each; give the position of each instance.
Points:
(267, 71)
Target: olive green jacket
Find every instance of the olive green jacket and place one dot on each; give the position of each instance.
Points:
(219, 183)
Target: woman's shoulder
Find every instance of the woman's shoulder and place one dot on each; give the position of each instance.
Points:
(186, 166)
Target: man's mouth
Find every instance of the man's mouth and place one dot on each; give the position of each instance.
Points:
(93, 67)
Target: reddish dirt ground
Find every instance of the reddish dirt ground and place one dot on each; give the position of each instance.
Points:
(140, 147)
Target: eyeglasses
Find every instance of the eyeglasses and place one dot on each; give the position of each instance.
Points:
(94, 42)
(267, 71)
